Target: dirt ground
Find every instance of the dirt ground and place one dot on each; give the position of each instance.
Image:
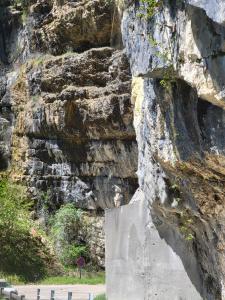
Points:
(80, 292)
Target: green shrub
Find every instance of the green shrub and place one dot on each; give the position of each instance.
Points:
(14, 209)
(21, 253)
(68, 234)
(71, 252)
(66, 224)
(148, 8)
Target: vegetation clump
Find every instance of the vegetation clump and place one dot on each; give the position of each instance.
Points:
(68, 234)
(22, 250)
(100, 297)
(148, 8)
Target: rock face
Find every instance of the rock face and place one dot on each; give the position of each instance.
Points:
(61, 26)
(66, 130)
(67, 120)
(73, 136)
(66, 117)
(177, 59)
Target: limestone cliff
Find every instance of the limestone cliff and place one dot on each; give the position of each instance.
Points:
(67, 103)
(176, 53)
(67, 119)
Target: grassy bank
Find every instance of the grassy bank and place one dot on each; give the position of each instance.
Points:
(100, 297)
(87, 278)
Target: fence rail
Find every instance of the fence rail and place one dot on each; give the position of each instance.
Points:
(14, 296)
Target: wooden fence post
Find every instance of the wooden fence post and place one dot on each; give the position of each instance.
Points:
(52, 295)
(38, 294)
(70, 295)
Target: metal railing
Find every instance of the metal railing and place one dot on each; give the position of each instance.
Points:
(14, 296)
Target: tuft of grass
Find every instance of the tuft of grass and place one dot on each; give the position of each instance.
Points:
(88, 278)
(94, 279)
(100, 297)
(13, 279)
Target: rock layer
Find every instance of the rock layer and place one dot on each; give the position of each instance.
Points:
(61, 26)
(73, 136)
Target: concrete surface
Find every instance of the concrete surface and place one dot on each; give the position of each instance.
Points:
(139, 264)
(80, 292)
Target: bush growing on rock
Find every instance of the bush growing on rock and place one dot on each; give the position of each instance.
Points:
(22, 250)
(75, 233)
(68, 232)
(70, 254)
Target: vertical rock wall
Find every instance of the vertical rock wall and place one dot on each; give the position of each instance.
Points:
(66, 112)
(66, 117)
(177, 63)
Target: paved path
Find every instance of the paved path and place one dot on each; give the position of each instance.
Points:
(80, 292)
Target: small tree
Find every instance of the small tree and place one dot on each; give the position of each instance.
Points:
(14, 209)
(21, 253)
(68, 233)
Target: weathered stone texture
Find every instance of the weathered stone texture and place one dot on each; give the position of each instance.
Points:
(73, 135)
(61, 26)
(180, 134)
(65, 111)
(96, 239)
(67, 120)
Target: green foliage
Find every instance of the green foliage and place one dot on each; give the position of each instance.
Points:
(66, 233)
(14, 208)
(165, 56)
(24, 16)
(100, 297)
(148, 8)
(87, 278)
(189, 237)
(71, 252)
(65, 224)
(168, 77)
(186, 226)
(35, 98)
(20, 253)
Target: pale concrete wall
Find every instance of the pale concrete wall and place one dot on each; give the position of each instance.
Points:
(140, 265)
